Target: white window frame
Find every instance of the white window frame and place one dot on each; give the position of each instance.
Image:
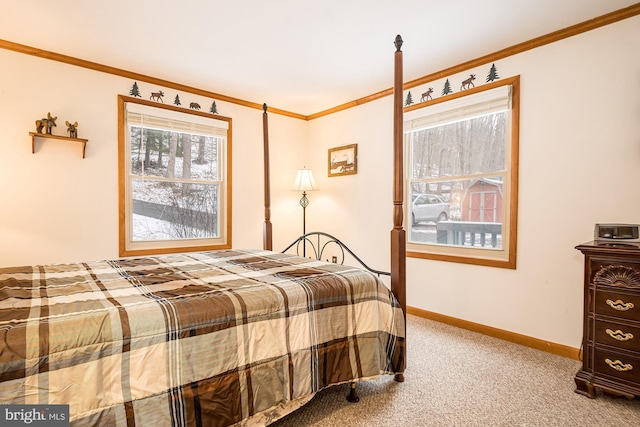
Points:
(131, 109)
(440, 110)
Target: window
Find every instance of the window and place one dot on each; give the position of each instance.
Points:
(462, 175)
(174, 179)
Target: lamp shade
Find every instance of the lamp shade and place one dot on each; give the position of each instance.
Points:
(305, 181)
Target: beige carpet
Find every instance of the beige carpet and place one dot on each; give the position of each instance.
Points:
(459, 378)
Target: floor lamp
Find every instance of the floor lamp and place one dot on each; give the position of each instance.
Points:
(304, 182)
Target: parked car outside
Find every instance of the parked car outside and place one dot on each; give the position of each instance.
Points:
(428, 207)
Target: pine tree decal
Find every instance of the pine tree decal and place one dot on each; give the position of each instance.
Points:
(409, 99)
(134, 90)
(446, 90)
(493, 74)
(177, 100)
(213, 109)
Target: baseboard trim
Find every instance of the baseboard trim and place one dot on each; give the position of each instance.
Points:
(550, 347)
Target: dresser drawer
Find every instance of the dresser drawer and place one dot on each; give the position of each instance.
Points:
(615, 273)
(610, 272)
(616, 304)
(616, 365)
(617, 335)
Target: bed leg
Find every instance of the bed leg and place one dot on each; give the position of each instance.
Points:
(353, 397)
(399, 378)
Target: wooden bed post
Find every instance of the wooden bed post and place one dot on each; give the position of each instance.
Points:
(398, 235)
(267, 243)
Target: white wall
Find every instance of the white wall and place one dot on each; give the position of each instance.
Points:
(356, 208)
(57, 207)
(579, 165)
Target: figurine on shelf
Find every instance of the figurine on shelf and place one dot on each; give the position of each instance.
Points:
(72, 129)
(49, 122)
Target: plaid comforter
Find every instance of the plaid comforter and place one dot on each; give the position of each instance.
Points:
(209, 338)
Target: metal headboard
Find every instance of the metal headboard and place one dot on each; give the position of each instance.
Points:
(317, 242)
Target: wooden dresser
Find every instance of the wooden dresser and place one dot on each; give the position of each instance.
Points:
(611, 340)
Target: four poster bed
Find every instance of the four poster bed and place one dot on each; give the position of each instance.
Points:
(202, 338)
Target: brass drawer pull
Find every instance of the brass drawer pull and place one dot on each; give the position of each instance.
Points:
(620, 305)
(619, 335)
(618, 365)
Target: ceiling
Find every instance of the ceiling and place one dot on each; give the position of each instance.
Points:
(298, 56)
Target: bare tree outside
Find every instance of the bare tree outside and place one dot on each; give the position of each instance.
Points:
(175, 185)
(462, 164)
(173, 149)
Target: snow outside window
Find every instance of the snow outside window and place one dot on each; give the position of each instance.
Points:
(173, 179)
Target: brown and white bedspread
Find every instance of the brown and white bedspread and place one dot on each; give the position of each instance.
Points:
(209, 338)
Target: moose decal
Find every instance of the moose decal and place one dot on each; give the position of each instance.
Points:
(157, 96)
(427, 95)
(466, 84)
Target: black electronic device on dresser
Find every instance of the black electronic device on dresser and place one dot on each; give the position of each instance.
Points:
(611, 341)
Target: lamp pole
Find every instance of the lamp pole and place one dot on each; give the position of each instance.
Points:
(304, 182)
(304, 202)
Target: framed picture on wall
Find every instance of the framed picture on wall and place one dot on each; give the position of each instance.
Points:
(343, 160)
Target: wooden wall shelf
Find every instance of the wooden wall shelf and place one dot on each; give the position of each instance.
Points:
(64, 138)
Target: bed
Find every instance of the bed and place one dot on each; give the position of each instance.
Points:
(204, 338)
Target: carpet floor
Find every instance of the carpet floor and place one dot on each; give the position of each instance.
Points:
(455, 377)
